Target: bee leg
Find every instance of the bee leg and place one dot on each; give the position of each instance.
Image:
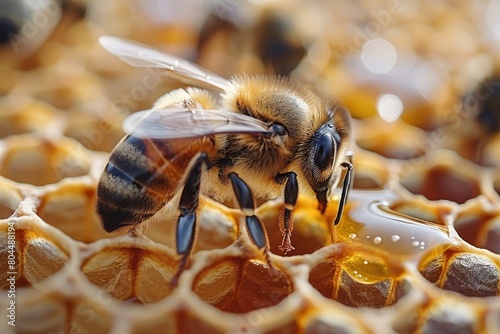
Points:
(286, 216)
(246, 202)
(345, 189)
(255, 228)
(186, 222)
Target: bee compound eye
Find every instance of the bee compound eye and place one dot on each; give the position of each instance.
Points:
(279, 129)
(325, 151)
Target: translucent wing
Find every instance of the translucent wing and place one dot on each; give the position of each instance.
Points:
(140, 55)
(176, 124)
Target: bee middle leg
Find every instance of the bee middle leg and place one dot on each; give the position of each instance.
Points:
(254, 225)
(286, 215)
(186, 222)
(246, 202)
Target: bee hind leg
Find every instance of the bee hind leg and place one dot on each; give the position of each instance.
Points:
(286, 215)
(186, 222)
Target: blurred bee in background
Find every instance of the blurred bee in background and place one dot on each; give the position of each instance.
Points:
(272, 40)
(266, 137)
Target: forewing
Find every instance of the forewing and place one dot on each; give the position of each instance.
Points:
(176, 124)
(140, 55)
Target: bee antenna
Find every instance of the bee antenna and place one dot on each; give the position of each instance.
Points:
(345, 190)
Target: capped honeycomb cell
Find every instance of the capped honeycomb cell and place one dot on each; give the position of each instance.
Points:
(71, 209)
(22, 114)
(470, 274)
(72, 85)
(448, 317)
(357, 278)
(131, 270)
(41, 251)
(38, 161)
(96, 126)
(9, 199)
(239, 286)
(332, 322)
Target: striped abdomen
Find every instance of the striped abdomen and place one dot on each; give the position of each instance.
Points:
(140, 177)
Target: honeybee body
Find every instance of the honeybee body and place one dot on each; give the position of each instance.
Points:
(265, 137)
(143, 174)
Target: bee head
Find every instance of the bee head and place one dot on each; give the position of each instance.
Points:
(320, 160)
(325, 150)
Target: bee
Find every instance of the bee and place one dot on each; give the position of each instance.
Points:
(265, 136)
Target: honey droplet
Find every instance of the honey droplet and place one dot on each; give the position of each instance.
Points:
(366, 269)
(373, 221)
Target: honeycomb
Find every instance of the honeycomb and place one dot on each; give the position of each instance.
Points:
(417, 249)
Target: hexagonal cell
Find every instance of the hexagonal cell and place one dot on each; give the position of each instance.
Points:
(217, 227)
(479, 226)
(371, 171)
(188, 321)
(442, 176)
(9, 199)
(30, 251)
(131, 269)
(496, 184)
(477, 128)
(470, 274)
(449, 316)
(311, 229)
(334, 323)
(34, 160)
(421, 209)
(238, 285)
(53, 311)
(71, 208)
(94, 126)
(21, 114)
(357, 279)
(395, 140)
(68, 84)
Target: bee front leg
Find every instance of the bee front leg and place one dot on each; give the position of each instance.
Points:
(345, 190)
(186, 222)
(286, 216)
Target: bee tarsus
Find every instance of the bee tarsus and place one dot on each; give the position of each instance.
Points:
(291, 194)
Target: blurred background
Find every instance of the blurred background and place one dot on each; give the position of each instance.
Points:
(404, 68)
(404, 65)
